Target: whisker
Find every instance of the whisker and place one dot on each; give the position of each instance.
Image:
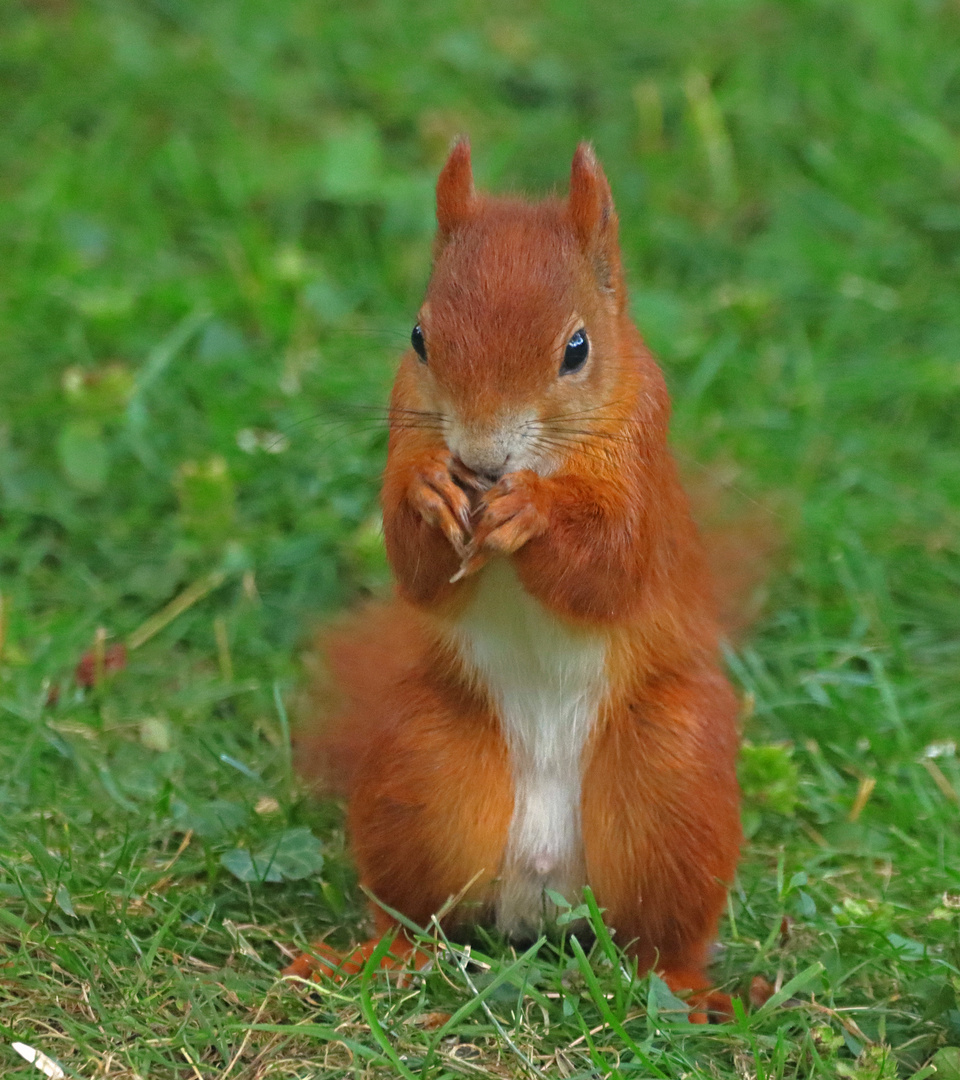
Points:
(366, 331)
(545, 443)
(580, 435)
(584, 412)
(559, 420)
(557, 441)
(331, 421)
(386, 410)
(417, 427)
(373, 414)
(556, 424)
(360, 426)
(326, 443)
(369, 407)
(385, 423)
(323, 445)
(612, 436)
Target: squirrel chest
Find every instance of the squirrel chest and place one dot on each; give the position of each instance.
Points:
(545, 680)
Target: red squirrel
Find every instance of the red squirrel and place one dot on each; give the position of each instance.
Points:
(541, 705)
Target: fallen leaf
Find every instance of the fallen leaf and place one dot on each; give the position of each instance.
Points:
(432, 1020)
(37, 1058)
(761, 991)
(114, 659)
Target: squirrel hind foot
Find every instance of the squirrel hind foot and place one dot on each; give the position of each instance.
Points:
(710, 1007)
(322, 962)
(707, 1004)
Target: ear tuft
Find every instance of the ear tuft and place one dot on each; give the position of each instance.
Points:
(455, 194)
(591, 202)
(592, 214)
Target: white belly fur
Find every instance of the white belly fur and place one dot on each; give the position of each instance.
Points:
(545, 678)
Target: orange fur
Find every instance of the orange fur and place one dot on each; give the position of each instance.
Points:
(496, 456)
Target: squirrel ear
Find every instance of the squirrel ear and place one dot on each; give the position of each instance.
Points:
(455, 195)
(593, 216)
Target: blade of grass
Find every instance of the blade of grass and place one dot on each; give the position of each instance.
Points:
(610, 950)
(600, 1000)
(371, 966)
(177, 606)
(501, 1031)
(798, 982)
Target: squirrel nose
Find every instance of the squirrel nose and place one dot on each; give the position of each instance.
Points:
(483, 453)
(493, 475)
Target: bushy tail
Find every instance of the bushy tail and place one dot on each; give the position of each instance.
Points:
(743, 538)
(354, 668)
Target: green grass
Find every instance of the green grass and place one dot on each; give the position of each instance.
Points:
(215, 225)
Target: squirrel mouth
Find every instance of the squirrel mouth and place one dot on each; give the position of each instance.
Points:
(475, 479)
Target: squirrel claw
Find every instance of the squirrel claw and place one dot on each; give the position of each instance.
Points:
(473, 560)
(511, 514)
(465, 478)
(443, 502)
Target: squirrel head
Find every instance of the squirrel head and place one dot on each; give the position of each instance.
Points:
(518, 349)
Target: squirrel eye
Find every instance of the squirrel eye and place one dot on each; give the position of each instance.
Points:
(577, 351)
(419, 346)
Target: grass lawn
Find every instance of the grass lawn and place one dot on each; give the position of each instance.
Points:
(215, 227)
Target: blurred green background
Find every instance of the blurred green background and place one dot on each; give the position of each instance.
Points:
(215, 229)
(216, 224)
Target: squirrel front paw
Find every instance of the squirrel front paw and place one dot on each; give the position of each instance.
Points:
(441, 494)
(509, 515)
